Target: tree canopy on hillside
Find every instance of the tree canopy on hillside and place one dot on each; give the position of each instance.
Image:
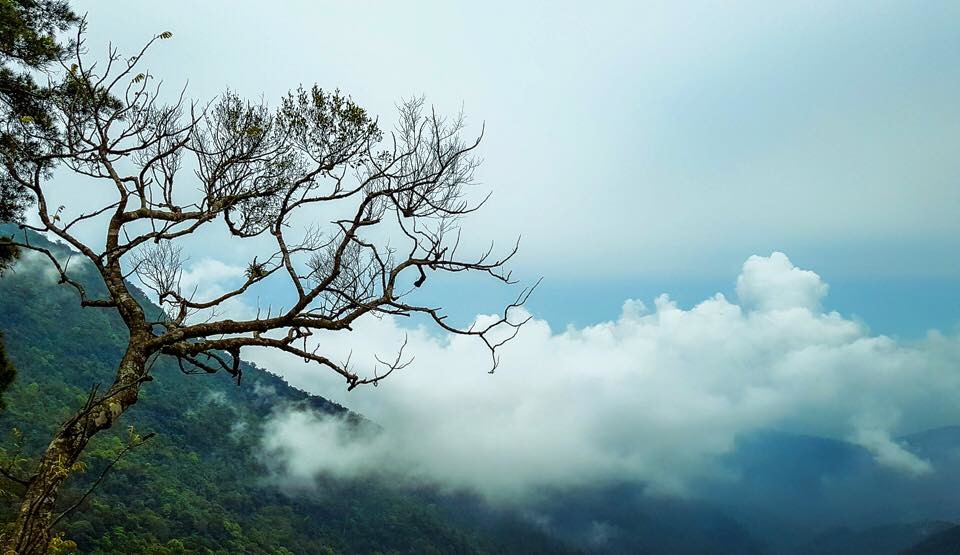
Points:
(28, 46)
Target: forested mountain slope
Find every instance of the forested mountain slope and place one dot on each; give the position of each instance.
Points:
(200, 485)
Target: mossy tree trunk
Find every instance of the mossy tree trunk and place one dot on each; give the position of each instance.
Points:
(32, 530)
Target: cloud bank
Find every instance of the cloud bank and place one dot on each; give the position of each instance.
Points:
(653, 397)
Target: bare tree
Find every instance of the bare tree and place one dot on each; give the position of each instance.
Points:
(256, 172)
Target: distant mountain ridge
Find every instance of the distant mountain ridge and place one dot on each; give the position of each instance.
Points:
(945, 542)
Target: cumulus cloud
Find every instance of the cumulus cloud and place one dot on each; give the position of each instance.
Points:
(773, 282)
(654, 396)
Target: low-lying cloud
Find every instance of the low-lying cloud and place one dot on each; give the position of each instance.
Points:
(655, 396)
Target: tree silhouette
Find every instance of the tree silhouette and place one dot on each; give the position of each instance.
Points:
(349, 218)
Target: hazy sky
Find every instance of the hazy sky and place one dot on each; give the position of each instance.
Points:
(639, 147)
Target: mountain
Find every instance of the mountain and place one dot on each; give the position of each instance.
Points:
(811, 495)
(626, 519)
(877, 540)
(946, 542)
(200, 485)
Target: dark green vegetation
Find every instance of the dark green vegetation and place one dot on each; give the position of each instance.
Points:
(7, 371)
(27, 46)
(8, 255)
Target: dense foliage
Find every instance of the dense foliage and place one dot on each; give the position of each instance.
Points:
(8, 255)
(7, 370)
(28, 44)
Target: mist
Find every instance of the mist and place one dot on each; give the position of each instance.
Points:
(659, 398)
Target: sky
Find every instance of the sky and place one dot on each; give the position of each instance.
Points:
(786, 173)
(663, 142)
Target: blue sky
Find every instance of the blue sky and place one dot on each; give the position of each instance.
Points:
(903, 307)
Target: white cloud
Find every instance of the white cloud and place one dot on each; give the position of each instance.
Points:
(31, 261)
(654, 396)
(209, 277)
(774, 283)
(890, 453)
(333, 441)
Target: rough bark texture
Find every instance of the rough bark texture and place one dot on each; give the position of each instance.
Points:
(31, 532)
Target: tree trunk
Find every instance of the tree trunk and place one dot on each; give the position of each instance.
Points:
(31, 532)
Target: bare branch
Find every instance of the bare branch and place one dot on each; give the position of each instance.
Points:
(400, 198)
